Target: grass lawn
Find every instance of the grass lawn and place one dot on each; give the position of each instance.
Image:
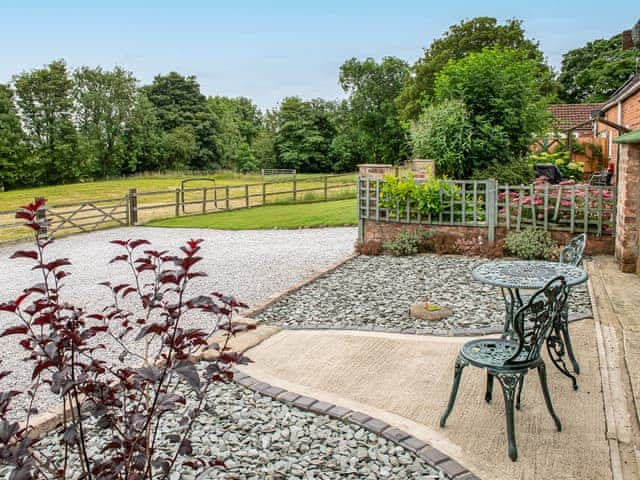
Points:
(330, 214)
(77, 192)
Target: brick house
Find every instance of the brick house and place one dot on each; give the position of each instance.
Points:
(577, 116)
(621, 109)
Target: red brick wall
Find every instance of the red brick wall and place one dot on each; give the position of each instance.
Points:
(388, 230)
(627, 221)
(630, 119)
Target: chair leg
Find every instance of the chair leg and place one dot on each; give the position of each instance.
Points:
(567, 341)
(542, 372)
(509, 383)
(520, 387)
(489, 393)
(460, 364)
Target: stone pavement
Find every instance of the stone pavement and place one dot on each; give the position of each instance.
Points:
(616, 297)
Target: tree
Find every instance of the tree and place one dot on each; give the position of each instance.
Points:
(304, 134)
(443, 133)
(593, 72)
(104, 107)
(14, 170)
(179, 103)
(503, 98)
(372, 113)
(177, 147)
(142, 137)
(46, 108)
(467, 37)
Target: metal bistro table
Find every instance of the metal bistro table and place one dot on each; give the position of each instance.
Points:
(513, 276)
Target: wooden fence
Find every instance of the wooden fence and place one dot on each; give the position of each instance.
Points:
(137, 207)
(484, 203)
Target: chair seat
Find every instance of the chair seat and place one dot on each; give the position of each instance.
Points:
(493, 353)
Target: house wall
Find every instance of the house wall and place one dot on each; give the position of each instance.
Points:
(628, 215)
(628, 114)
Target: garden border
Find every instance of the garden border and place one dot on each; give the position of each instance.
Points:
(432, 456)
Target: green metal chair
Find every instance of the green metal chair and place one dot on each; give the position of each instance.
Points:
(571, 254)
(509, 360)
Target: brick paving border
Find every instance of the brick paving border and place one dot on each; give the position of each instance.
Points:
(432, 456)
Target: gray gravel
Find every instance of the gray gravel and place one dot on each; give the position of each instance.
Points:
(259, 438)
(376, 292)
(251, 265)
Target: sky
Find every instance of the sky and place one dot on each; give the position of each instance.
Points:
(267, 50)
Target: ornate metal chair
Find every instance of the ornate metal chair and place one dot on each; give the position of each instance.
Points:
(571, 254)
(509, 360)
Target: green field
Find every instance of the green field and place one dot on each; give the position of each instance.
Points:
(78, 192)
(321, 214)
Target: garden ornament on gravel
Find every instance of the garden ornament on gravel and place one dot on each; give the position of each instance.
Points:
(509, 360)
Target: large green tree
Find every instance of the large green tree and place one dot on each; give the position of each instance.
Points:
(105, 103)
(14, 168)
(179, 103)
(304, 132)
(466, 37)
(44, 98)
(504, 102)
(593, 72)
(371, 117)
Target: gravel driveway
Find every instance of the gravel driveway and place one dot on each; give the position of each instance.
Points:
(251, 265)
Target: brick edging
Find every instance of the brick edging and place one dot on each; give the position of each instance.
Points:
(432, 456)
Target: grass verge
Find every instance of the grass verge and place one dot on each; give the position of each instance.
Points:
(301, 215)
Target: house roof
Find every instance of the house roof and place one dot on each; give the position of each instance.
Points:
(568, 115)
(628, 88)
(631, 137)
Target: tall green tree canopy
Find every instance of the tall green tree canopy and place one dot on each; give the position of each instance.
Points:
(372, 119)
(46, 106)
(593, 72)
(14, 169)
(304, 132)
(504, 102)
(105, 105)
(467, 37)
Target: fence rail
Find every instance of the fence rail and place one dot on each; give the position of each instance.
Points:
(138, 207)
(484, 203)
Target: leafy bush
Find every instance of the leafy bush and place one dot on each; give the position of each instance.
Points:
(131, 403)
(370, 247)
(443, 133)
(403, 244)
(429, 197)
(516, 172)
(530, 244)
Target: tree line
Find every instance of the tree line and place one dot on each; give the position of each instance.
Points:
(474, 101)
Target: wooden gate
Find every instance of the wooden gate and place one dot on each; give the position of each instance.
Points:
(86, 216)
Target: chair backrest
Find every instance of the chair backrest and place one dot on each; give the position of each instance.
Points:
(534, 321)
(572, 253)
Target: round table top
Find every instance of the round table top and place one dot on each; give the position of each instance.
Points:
(525, 274)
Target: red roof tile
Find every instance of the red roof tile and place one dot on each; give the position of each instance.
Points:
(568, 115)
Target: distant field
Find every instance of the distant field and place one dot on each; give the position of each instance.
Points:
(320, 214)
(157, 197)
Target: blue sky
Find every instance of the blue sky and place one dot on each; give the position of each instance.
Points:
(267, 50)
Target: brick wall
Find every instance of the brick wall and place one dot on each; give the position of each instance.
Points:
(627, 221)
(630, 119)
(388, 230)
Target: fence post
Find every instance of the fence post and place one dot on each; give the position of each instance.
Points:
(226, 197)
(326, 188)
(264, 193)
(246, 195)
(133, 206)
(492, 209)
(41, 217)
(295, 188)
(204, 199)
(179, 194)
(360, 219)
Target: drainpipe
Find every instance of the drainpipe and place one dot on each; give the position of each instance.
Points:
(618, 147)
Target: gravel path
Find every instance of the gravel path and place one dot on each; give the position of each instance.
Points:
(376, 292)
(251, 265)
(257, 438)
